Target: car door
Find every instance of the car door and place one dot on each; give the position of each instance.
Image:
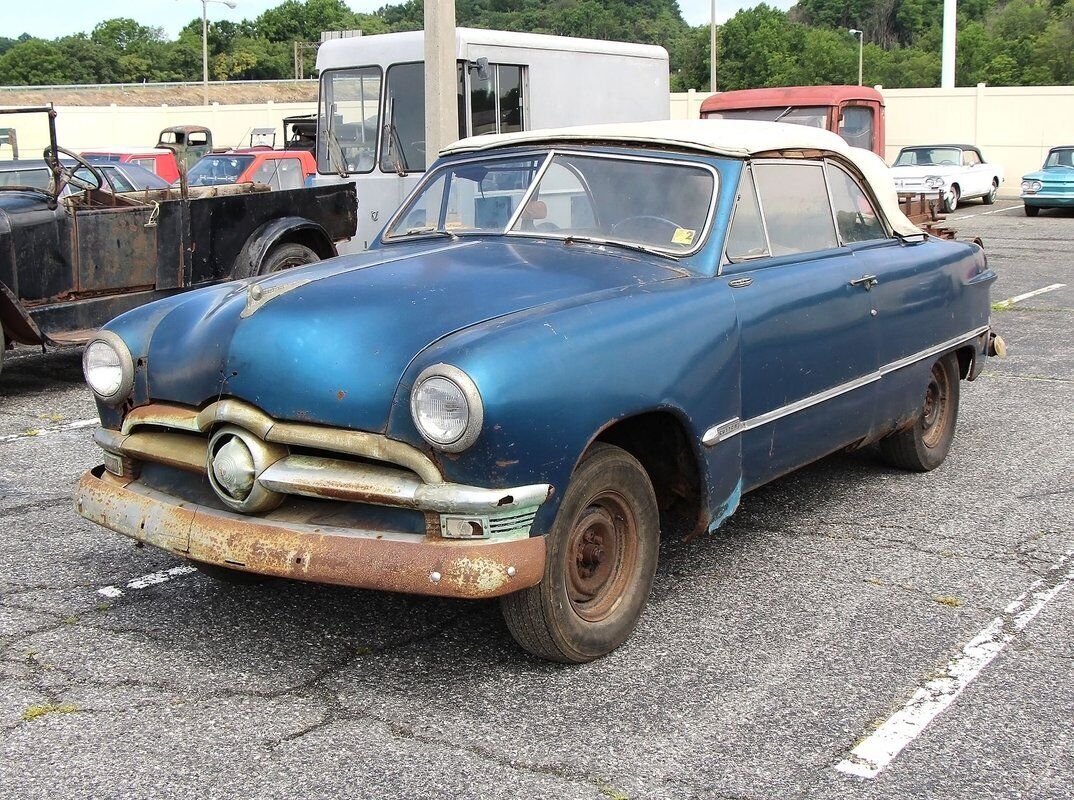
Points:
(974, 180)
(806, 348)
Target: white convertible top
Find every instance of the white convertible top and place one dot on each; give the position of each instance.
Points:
(734, 138)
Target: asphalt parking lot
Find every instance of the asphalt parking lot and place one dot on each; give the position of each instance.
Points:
(831, 614)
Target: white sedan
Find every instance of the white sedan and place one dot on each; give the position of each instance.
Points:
(959, 170)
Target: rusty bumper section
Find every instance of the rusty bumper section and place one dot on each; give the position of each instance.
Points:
(320, 554)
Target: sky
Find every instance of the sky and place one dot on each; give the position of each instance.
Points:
(54, 18)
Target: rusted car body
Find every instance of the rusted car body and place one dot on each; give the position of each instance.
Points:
(72, 260)
(188, 142)
(562, 342)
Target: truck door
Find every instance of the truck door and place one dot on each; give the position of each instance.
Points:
(857, 126)
(114, 248)
(806, 350)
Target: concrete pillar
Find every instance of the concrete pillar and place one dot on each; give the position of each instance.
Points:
(950, 20)
(441, 108)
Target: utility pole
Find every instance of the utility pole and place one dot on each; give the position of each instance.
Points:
(861, 49)
(441, 106)
(205, 44)
(950, 25)
(714, 49)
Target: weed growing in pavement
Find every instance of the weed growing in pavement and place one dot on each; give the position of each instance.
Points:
(34, 712)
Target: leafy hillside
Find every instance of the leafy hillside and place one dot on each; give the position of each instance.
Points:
(1001, 42)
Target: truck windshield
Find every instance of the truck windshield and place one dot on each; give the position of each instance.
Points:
(348, 120)
(654, 204)
(811, 116)
(216, 170)
(929, 157)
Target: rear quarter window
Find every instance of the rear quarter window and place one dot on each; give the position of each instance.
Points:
(796, 208)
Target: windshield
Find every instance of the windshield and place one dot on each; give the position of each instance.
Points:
(659, 204)
(348, 120)
(38, 177)
(929, 157)
(1061, 158)
(215, 170)
(811, 116)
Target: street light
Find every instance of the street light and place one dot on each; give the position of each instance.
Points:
(861, 48)
(205, 44)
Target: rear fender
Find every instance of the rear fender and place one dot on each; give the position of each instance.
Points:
(17, 324)
(298, 230)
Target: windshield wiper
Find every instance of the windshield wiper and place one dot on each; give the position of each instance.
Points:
(641, 248)
(430, 231)
(784, 113)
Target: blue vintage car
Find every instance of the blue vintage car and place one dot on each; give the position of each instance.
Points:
(563, 342)
(1053, 185)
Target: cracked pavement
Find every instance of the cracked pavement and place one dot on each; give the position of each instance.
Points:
(767, 650)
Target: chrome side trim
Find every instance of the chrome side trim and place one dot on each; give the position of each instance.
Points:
(732, 427)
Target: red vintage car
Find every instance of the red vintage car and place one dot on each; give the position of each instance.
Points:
(280, 169)
(155, 159)
(854, 112)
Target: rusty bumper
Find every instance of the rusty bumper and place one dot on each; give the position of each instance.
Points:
(320, 554)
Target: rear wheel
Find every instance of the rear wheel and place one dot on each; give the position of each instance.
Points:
(924, 445)
(285, 256)
(950, 201)
(990, 198)
(1032, 211)
(602, 554)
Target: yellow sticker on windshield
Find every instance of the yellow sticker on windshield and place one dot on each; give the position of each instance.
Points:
(452, 224)
(683, 236)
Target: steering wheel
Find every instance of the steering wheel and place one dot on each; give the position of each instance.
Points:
(67, 172)
(650, 223)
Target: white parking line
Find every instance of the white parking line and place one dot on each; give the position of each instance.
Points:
(1010, 301)
(877, 750)
(985, 213)
(35, 432)
(152, 579)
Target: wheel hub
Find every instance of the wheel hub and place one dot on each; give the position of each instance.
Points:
(602, 550)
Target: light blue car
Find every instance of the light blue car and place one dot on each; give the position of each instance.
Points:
(1053, 185)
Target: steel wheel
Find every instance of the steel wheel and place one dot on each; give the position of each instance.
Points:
(924, 445)
(603, 550)
(937, 407)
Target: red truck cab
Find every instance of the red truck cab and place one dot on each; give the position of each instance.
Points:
(280, 169)
(155, 159)
(854, 112)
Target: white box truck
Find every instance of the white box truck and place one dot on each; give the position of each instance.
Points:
(371, 118)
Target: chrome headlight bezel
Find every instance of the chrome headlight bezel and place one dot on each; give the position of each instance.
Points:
(475, 409)
(1031, 187)
(126, 366)
(934, 181)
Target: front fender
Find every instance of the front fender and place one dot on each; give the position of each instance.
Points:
(551, 381)
(17, 324)
(261, 241)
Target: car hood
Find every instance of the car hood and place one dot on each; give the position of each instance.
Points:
(1053, 175)
(328, 343)
(923, 172)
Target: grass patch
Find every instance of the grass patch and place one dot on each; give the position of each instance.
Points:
(36, 712)
(949, 600)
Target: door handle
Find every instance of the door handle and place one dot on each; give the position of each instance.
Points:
(868, 281)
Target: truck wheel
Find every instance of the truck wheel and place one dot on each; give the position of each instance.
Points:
(602, 554)
(924, 445)
(990, 198)
(1032, 211)
(950, 202)
(287, 255)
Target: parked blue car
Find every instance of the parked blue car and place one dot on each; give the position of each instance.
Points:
(562, 342)
(1053, 185)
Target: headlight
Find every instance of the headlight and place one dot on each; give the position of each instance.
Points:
(934, 181)
(108, 367)
(447, 408)
(1031, 186)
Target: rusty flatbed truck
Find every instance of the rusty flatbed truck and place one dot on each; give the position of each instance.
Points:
(70, 264)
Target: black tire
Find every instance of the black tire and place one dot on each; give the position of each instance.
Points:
(1032, 211)
(3, 349)
(925, 444)
(950, 202)
(990, 198)
(602, 554)
(287, 255)
(236, 577)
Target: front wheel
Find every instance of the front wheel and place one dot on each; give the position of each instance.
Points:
(950, 201)
(285, 256)
(1032, 211)
(602, 554)
(924, 445)
(990, 198)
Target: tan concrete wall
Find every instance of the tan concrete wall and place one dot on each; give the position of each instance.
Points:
(1014, 126)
